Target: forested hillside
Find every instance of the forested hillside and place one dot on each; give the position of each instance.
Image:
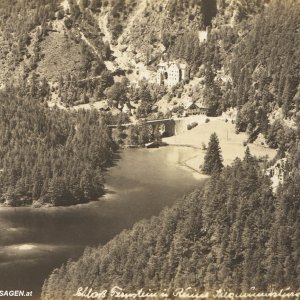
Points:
(52, 42)
(50, 156)
(265, 66)
(252, 65)
(249, 61)
(233, 234)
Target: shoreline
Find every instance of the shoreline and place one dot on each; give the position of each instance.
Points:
(190, 165)
(185, 163)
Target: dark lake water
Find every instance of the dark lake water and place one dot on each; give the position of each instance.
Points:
(33, 241)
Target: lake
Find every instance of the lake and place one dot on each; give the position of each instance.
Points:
(33, 241)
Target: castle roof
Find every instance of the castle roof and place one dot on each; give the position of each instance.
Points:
(170, 63)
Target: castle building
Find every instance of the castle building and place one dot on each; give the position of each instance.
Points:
(171, 73)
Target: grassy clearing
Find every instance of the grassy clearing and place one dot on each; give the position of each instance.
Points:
(232, 144)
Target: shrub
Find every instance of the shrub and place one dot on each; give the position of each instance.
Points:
(192, 125)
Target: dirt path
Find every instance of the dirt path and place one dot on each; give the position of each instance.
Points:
(95, 50)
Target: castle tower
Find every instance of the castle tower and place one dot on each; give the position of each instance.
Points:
(162, 72)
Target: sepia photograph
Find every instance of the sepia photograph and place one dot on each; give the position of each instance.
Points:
(149, 149)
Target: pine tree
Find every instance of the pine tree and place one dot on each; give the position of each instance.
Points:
(248, 157)
(213, 157)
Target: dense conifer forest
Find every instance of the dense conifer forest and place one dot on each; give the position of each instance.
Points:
(50, 156)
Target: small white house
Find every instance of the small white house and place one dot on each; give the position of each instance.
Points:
(194, 109)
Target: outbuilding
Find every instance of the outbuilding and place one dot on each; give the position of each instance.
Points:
(195, 109)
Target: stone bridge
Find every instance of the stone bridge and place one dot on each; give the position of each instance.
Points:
(167, 127)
